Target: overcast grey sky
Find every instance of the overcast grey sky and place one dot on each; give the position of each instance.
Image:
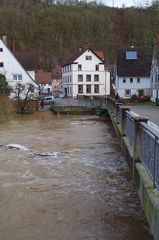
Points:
(119, 3)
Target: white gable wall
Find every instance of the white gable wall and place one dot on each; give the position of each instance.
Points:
(88, 67)
(11, 67)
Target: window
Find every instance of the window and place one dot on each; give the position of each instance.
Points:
(88, 78)
(80, 88)
(80, 78)
(88, 88)
(1, 49)
(31, 88)
(96, 78)
(17, 77)
(96, 88)
(131, 80)
(131, 55)
(79, 67)
(1, 64)
(138, 80)
(97, 67)
(88, 57)
(127, 93)
(124, 80)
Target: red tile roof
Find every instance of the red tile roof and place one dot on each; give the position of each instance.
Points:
(100, 54)
(43, 77)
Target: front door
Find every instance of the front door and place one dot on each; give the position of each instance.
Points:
(65, 91)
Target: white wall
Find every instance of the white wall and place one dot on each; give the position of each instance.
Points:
(88, 68)
(32, 74)
(12, 66)
(120, 86)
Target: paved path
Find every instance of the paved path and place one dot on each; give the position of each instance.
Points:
(151, 112)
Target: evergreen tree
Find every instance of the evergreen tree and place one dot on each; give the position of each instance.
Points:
(4, 87)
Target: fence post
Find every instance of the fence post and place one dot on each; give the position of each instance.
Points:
(123, 117)
(137, 143)
(117, 111)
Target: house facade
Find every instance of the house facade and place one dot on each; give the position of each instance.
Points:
(132, 72)
(44, 79)
(154, 75)
(84, 75)
(14, 72)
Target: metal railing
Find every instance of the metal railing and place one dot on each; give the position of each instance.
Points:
(143, 137)
(149, 155)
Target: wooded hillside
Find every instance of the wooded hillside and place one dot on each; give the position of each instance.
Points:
(55, 32)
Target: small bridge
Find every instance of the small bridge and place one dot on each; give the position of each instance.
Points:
(77, 106)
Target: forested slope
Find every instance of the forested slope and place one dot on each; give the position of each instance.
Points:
(55, 32)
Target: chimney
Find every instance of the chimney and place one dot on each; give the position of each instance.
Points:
(4, 39)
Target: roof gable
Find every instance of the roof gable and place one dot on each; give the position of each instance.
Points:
(80, 52)
(13, 66)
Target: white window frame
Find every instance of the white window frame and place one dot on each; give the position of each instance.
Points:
(95, 90)
(88, 57)
(129, 94)
(17, 77)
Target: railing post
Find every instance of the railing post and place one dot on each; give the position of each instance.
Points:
(117, 111)
(123, 117)
(137, 143)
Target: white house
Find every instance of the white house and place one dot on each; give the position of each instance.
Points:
(14, 71)
(154, 74)
(84, 74)
(132, 72)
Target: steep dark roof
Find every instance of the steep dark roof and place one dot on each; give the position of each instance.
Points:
(26, 58)
(139, 67)
(99, 54)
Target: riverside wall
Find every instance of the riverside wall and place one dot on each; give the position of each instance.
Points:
(147, 191)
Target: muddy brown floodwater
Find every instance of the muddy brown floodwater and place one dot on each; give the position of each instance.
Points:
(65, 178)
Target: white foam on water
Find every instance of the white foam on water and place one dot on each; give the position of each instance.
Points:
(17, 146)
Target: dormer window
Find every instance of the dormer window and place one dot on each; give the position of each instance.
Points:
(1, 64)
(1, 49)
(131, 55)
(88, 57)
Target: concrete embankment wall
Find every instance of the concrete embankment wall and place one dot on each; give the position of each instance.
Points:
(149, 196)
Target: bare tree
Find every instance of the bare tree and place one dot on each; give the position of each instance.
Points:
(23, 94)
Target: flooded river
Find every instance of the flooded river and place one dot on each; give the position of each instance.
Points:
(65, 178)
